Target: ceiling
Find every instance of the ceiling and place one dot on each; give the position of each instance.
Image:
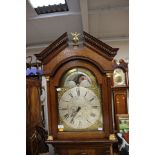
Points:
(104, 19)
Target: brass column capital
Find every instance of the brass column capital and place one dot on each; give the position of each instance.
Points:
(50, 137)
(109, 75)
(47, 77)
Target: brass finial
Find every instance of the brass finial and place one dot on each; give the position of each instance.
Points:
(75, 37)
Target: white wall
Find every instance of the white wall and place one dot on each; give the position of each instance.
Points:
(30, 51)
(123, 52)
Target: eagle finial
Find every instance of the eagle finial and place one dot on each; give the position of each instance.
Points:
(75, 37)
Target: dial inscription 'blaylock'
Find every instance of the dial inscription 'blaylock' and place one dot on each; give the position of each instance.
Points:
(79, 108)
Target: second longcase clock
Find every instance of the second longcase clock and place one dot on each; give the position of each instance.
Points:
(120, 88)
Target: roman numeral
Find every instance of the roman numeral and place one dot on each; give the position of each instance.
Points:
(95, 107)
(63, 108)
(78, 91)
(91, 99)
(92, 114)
(66, 116)
(70, 94)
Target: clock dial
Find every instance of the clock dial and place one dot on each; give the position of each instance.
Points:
(79, 101)
(119, 77)
(79, 108)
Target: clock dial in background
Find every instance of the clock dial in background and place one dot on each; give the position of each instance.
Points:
(119, 77)
(79, 101)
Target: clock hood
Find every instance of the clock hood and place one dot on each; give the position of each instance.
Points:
(91, 49)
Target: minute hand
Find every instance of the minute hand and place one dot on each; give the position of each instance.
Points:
(75, 112)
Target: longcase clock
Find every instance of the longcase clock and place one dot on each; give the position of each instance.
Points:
(79, 95)
(120, 88)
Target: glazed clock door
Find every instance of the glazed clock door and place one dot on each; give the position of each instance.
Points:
(79, 102)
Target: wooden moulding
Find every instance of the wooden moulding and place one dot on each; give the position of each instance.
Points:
(120, 88)
(77, 58)
(80, 54)
(73, 142)
(89, 41)
(99, 46)
(57, 46)
(83, 147)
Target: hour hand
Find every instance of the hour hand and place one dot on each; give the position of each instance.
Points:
(75, 112)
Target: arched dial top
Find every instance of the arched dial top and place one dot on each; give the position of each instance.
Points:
(79, 102)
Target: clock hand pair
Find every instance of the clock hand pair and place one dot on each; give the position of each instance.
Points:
(75, 113)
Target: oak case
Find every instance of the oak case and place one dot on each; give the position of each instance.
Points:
(96, 57)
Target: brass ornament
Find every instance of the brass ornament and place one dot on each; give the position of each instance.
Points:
(50, 138)
(47, 78)
(109, 74)
(112, 137)
(75, 37)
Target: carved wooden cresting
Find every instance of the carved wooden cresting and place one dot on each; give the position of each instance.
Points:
(58, 59)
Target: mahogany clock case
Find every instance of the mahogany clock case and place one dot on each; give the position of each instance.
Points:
(120, 89)
(92, 55)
